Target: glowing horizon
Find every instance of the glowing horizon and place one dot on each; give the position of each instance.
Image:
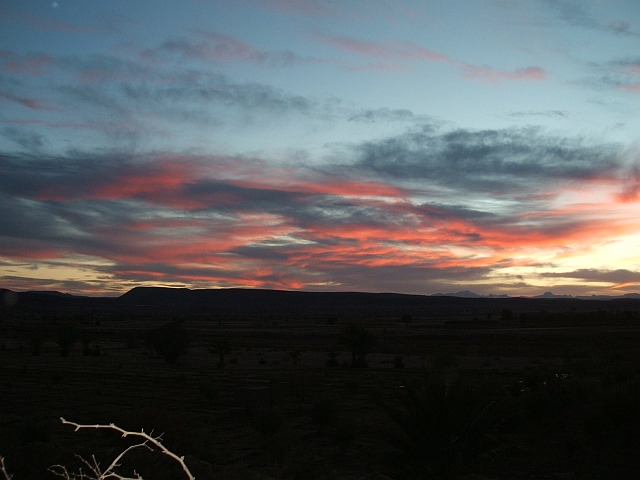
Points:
(317, 146)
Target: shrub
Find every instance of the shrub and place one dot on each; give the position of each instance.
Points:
(36, 340)
(86, 351)
(208, 389)
(444, 428)
(406, 318)
(346, 430)
(332, 361)
(324, 412)
(170, 341)
(444, 357)
(359, 341)
(295, 355)
(221, 348)
(67, 337)
(299, 387)
(268, 421)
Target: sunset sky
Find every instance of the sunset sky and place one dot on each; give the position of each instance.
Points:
(371, 145)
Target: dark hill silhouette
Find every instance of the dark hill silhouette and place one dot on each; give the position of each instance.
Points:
(239, 302)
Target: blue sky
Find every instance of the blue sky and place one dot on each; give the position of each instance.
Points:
(414, 147)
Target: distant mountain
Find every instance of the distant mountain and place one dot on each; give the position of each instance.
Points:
(630, 296)
(552, 295)
(462, 294)
(237, 303)
(52, 292)
(469, 294)
(544, 296)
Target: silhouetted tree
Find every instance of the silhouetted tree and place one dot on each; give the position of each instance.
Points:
(359, 341)
(506, 315)
(221, 348)
(170, 341)
(332, 361)
(406, 319)
(67, 337)
(295, 355)
(35, 340)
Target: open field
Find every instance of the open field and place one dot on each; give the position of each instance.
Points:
(567, 384)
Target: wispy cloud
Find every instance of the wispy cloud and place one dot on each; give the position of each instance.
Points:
(543, 113)
(578, 14)
(16, 64)
(392, 53)
(216, 47)
(402, 50)
(493, 76)
(31, 103)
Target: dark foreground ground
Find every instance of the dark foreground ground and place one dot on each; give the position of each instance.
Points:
(504, 393)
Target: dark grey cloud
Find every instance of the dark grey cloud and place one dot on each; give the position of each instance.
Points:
(596, 275)
(248, 97)
(384, 114)
(576, 13)
(216, 47)
(26, 218)
(497, 161)
(543, 113)
(30, 140)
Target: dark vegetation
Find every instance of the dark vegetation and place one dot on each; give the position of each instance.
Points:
(261, 384)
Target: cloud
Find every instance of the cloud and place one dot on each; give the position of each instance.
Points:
(577, 14)
(216, 47)
(31, 103)
(543, 113)
(392, 53)
(493, 76)
(621, 75)
(412, 212)
(492, 161)
(616, 277)
(31, 141)
(15, 64)
(388, 52)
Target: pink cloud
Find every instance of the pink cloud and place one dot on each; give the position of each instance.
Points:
(631, 69)
(379, 67)
(28, 66)
(631, 87)
(32, 103)
(399, 51)
(490, 75)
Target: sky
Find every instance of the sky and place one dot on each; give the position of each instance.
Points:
(381, 145)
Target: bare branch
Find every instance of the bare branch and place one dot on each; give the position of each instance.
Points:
(155, 441)
(4, 470)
